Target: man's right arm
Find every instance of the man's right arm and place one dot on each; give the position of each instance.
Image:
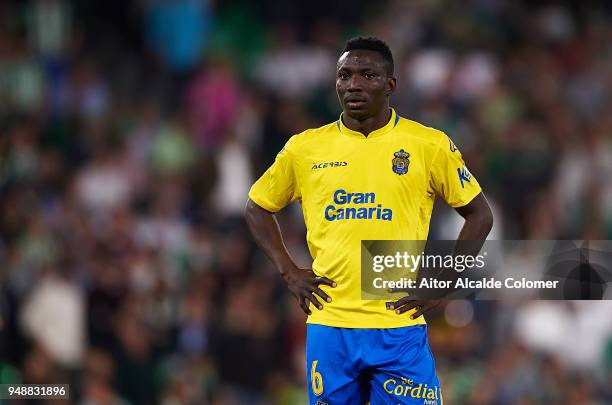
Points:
(303, 283)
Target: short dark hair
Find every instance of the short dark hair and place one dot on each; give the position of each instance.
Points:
(372, 44)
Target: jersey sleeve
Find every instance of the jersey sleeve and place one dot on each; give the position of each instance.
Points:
(278, 186)
(450, 178)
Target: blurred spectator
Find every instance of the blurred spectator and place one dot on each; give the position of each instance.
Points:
(172, 151)
(103, 186)
(212, 102)
(290, 69)
(49, 26)
(87, 94)
(177, 31)
(53, 316)
(234, 179)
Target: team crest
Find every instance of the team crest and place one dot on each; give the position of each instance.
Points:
(400, 162)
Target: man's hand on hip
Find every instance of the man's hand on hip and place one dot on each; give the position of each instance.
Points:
(304, 284)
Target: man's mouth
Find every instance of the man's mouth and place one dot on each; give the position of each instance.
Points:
(355, 102)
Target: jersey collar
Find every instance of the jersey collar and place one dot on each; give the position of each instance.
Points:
(374, 134)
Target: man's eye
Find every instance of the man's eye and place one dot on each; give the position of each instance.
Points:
(370, 76)
(342, 76)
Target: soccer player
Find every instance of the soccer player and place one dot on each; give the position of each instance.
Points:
(363, 350)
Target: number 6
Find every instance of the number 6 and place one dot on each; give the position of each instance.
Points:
(316, 379)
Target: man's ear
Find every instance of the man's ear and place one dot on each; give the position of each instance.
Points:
(391, 85)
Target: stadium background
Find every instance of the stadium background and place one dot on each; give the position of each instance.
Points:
(130, 133)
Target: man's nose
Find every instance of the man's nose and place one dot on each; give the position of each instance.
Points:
(354, 83)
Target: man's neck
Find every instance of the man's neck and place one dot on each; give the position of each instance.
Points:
(370, 124)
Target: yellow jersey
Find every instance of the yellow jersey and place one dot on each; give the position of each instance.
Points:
(353, 188)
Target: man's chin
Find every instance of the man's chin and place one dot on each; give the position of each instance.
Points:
(358, 114)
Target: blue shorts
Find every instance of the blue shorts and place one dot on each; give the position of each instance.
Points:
(380, 366)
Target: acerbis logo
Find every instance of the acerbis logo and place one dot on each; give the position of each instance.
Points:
(329, 164)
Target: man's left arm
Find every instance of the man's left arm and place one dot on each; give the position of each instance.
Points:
(478, 223)
(452, 181)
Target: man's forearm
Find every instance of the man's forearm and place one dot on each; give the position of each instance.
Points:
(303, 283)
(266, 232)
(478, 224)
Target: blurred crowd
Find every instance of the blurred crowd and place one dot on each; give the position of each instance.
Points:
(130, 133)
